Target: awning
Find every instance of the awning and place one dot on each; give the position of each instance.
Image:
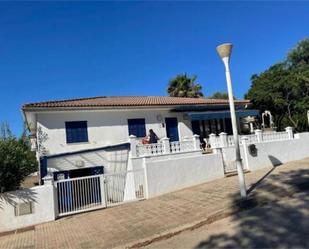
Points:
(221, 114)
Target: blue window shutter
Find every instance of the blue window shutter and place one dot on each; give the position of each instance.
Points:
(137, 127)
(76, 131)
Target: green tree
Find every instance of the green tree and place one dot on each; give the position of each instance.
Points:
(16, 161)
(219, 95)
(184, 86)
(284, 89)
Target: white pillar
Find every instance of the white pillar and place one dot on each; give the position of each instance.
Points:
(166, 145)
(244, 142)
(263, 120)
(212, 140)
(259, 135)
(196, 142)
(271, 123)
(133, 143)
(102, 188)
(49, 183)
(223, 139)
(48, 180)
(289, 130)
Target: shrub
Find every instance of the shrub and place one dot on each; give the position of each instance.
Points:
(16, 162)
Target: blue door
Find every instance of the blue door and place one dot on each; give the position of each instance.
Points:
(172, 129)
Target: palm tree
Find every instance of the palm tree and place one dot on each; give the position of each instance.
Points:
(184, 86)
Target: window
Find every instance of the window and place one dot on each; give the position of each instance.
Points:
(137, 127)
(76, 131)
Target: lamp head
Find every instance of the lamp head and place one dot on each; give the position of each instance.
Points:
(225, 50)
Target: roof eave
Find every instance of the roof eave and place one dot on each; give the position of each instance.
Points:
(74, 108)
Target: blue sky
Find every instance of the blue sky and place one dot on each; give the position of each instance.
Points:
(59, 50)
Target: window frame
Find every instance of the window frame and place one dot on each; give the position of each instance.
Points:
(72, 133)
(139, 132)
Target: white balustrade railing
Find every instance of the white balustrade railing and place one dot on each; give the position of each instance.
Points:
(271, 136)
(165, 147)
(149, 149)
(250, 139)
(227, 141)
(182, 146)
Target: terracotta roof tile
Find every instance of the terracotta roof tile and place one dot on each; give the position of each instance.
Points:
(122, 101)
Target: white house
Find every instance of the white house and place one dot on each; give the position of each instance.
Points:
(92, 148)
(80, 126)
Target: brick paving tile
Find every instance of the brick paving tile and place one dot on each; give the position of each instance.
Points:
(111, 227)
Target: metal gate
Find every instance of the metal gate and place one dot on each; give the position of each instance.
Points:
(99, 191)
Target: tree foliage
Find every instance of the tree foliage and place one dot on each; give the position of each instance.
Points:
(284, 89)
(16, 160)
(184, 86)
(219, 95)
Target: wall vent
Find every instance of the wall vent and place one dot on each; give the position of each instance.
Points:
(24, 208)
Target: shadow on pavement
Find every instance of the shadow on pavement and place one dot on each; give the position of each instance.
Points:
(279, 225)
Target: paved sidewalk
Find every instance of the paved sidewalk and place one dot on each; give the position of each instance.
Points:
(125, 224)
(281, 224)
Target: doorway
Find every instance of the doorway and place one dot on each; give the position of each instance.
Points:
(172, 129)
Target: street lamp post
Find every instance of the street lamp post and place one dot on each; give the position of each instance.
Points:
(224, 52)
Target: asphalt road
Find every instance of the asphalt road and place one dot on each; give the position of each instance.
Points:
(283, 224)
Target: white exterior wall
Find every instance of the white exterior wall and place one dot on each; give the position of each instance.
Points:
(277, 152)
(272, 152)
(169, 174)
(42, 198)
(113, 161)
(105, 127)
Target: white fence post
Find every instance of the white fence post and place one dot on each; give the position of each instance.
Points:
(289, 130)
(259, 135)
(49, 180)
(102, 187)
(212, 140)
(244, 141)
(166, 145)
(133, 142)
(223, 139)
(196, 142)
